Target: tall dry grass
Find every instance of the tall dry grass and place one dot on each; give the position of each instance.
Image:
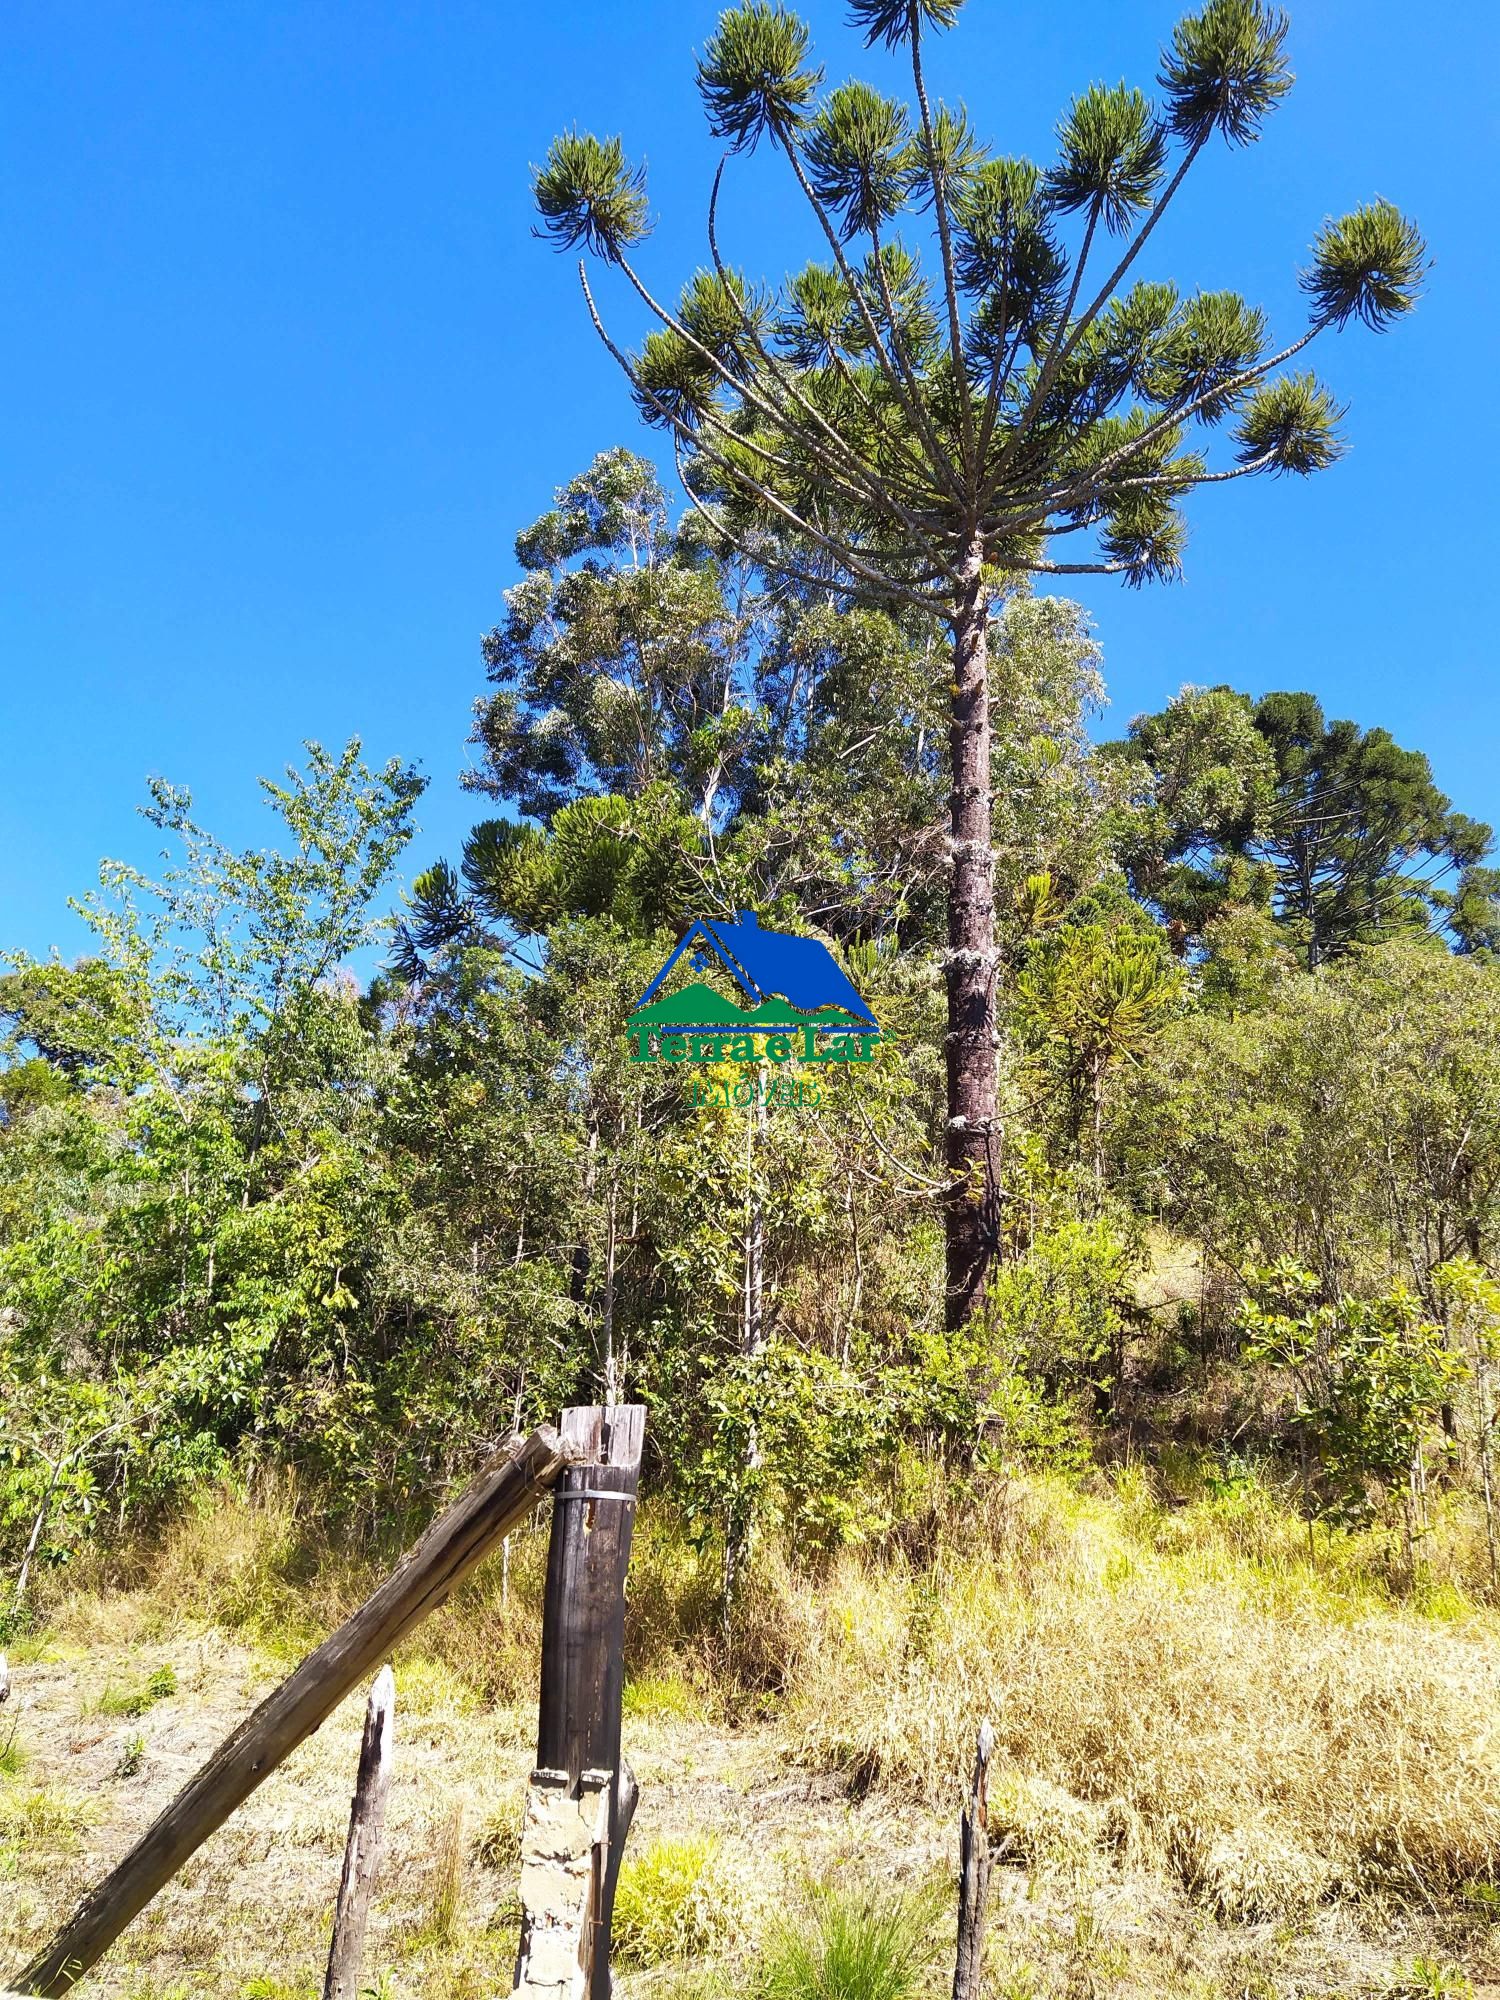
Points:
(268, 1568)
(1183, 1687)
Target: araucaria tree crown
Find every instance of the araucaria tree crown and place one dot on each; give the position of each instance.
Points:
(924, 426)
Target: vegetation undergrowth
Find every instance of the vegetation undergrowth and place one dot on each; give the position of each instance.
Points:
(1180, 1677)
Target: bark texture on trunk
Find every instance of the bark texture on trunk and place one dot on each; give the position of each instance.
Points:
(973, 1206)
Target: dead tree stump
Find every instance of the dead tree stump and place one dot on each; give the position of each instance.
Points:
(974, 1875)
(362, 1849)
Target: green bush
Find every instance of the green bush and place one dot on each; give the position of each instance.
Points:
(137, 1700)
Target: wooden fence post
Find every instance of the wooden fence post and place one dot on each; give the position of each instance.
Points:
(974, 1875)
(583, 1635)
(362, 1849)
(503, 1494)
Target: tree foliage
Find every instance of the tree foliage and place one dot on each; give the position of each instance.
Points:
(1336, 830)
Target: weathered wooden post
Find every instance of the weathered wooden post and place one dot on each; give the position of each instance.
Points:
(577, 1811)
(974, 1874)
(362, 1849)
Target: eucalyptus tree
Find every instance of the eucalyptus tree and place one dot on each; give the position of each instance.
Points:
(923, 431)
(624, 659)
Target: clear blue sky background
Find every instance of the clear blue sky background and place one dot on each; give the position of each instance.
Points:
(284, 372)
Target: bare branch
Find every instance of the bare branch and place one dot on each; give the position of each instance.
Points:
(1043, 568)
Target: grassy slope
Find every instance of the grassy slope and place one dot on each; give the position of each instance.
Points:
(1224, 1770)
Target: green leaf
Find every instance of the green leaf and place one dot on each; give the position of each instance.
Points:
(1217, 339)
(1114, 149)
(1368, 265)
(673, 380)
(859, 158)
(1004, 243)
(754, 77)
(587, 192)
(947, 163)
(896, 21)
(816, 325)
(1296, 419)
(1147, 534)
(718, 311)
(1226, 69)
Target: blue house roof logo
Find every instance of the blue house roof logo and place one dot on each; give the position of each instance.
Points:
(785, 983)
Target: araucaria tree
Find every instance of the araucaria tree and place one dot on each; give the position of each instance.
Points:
(924, 428)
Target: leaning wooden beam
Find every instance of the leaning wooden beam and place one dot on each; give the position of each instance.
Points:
(503, 1494)
(362, 1849)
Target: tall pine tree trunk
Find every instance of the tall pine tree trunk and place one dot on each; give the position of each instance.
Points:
(972, 1219)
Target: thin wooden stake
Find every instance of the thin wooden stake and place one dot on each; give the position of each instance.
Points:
(974, 1874)
(503, 1494)
(362, 1849)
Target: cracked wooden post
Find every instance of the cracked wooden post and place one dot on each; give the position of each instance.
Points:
(575, 1825)
(974, 1875)
(362, 1849)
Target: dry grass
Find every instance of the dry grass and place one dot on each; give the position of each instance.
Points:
(1225, 1773)
(1177, 1686)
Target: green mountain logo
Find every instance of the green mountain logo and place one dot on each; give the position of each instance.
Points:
(694, 1007)
(698, 1006)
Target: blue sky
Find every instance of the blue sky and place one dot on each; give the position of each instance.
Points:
(285, 372)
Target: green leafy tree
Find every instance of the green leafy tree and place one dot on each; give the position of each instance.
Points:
(923, 435)
(1360, 837)
(623, 657)
(1093, 992)
(1199, 778)
(1473, 913)
(637, 861)
(187, 1224)
(1350, 1124)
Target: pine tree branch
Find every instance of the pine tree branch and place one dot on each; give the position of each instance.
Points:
(945, 240)
(1000, 373)
(938, 460)
(830, 467)
(758, 401)
(1041, 567)
(777, 565)
(1066, 343)
(881, 488)
(737, 474)
(1095, 488)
